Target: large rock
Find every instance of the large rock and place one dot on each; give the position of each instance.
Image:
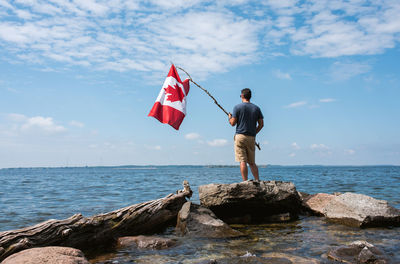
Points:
(270, 258)
(361, 210)
(358, 252)
(316, 203)
(47, 255)
(146, 242)
(198, 221)
(251, 201)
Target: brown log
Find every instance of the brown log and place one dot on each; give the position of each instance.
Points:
(88, 232)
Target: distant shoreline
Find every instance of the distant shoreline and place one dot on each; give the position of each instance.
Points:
(152, 166)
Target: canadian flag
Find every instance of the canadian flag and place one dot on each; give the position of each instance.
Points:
(170, 105)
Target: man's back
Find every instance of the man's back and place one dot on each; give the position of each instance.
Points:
(247, 115)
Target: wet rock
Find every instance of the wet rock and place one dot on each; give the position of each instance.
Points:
(316, 203)
(47, 255)
(361, 210)
(358, 252)
(198, 221)
(146, 242)
(247, 260)
(251, 202)
(292, 258)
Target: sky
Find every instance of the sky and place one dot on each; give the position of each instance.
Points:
(79, 77)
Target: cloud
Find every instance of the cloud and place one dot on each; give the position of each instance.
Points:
(295, 146)
(155, 147)
(37, 123)
(42, 123)
(76, 124)
(217, 142)
(319, 147)
(282, 75)
(296, 104)
(349, 151)
(342, 71)
(327, 100)
(202, 36)
(292, 154)
(192, 136)
(126, 37)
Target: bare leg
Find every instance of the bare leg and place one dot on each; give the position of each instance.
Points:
(243, 170)
(254, 171)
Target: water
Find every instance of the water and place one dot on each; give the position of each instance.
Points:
(32, 195)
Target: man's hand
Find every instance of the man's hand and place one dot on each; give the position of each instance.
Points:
(232, 120)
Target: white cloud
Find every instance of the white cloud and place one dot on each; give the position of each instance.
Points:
(217, 142)
(327, 100)
(16, 117)
(265, 142)
(342, 71)
(192, 136)
(319, 147)
(295, 146)
(349, 151)
(76, 123)
(155, 147)
(292, 154)
(296, 104)
(42, 123)
(282, 75)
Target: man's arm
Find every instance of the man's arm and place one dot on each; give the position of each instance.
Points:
(232, 120)
(260, 125)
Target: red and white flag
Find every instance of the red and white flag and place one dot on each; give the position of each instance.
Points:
(170, 105)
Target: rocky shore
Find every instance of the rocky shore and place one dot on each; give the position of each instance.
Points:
(220, 205)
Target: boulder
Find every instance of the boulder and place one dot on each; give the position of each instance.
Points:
(316, 203)
(197, 221)
(146, 242)
(47, 255)
(358, 252)
(251, 201)
(361, 211)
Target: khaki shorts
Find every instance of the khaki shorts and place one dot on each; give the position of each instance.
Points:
(245, 148)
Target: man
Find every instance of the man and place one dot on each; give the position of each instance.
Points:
(249, 121)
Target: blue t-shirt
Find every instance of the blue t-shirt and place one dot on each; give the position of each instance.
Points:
(247, 115)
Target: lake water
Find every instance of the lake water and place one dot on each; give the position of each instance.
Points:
(32, 195)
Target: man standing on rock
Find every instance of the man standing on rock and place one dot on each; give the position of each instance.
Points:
(249, 121)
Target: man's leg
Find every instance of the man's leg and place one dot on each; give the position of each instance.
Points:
(254, 171)
(243, 170)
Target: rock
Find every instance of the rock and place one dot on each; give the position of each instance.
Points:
(250, 201)
(146, 242)
(292, 258)
(198, 221)
(361, 210)
(316, 203)
(47, 255)
(358, 252)
(247, 260)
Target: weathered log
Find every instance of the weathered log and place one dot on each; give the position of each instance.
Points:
(87, 232)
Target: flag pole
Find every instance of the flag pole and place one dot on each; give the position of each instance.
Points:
(212, 97)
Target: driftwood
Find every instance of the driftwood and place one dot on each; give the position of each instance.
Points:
(87, 232)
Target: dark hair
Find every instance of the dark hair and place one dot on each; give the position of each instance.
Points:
(246, 92)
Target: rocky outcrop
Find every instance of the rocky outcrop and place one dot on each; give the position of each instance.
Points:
(47, 255)
(146, 242)
(358, 252)
(292, 258)
(354, 209)
(197, 221)
(251, 201)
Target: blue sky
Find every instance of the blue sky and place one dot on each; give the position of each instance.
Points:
(78, 78)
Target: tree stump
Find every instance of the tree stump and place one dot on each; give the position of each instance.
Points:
(85, 232)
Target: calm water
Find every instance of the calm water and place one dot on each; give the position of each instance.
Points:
(32, 195)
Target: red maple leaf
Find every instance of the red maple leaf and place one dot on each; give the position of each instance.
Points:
(174, 93)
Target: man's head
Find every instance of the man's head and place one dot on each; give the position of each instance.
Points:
(246, 93)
